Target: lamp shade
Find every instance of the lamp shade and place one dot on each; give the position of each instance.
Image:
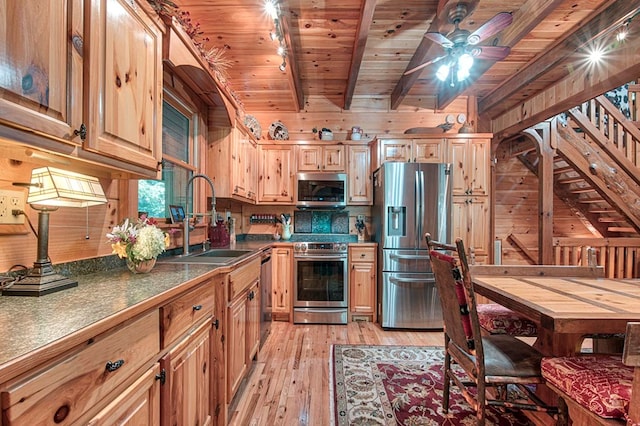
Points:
(62, 188)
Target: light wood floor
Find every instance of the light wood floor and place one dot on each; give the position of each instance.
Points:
(289, 384)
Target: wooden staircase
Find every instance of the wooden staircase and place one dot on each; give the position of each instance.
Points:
(596, 167)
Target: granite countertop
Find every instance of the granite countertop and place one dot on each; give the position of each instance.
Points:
(32, 324)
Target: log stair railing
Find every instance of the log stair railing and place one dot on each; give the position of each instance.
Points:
(619, 256)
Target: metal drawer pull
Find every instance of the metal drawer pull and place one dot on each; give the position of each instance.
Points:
(197, 307)
(113, 366)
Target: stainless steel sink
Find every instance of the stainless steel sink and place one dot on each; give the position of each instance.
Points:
(210, 257)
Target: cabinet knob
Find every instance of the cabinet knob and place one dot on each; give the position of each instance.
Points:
(82, 132)
(114, 365)
(216, 323)
(197, 307)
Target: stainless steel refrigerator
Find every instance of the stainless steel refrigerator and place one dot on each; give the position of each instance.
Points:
(409, 199)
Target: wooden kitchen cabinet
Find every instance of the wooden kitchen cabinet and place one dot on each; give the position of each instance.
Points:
(41, 87)
(281, 282)
(416, 150)
(88, 93)
(362, 282)
(275, 180)
(139, 404)
(321, 158)
(233, 163)
(186, 396)
(85, 376)
(360, 191)
(242, 331)
(470, 170)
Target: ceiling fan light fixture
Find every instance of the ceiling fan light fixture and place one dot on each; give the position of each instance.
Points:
(443, 72)
(283, 65)
(465, 62)
(271, 8)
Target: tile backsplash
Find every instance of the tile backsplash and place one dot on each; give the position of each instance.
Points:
(321, 222)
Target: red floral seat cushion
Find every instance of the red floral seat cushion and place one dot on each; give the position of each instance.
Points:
(497, 319)
(602, 384)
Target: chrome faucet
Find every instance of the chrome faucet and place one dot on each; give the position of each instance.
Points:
(185, 223)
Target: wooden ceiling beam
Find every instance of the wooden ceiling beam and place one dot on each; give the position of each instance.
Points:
(525, 19)
(292, 71)
(426, 49)
(362, 33)
(612, 15)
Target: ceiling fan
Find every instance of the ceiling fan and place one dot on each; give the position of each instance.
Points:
(461, 46)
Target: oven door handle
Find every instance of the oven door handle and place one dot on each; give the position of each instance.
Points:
(320, 258)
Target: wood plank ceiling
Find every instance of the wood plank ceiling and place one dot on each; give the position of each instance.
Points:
(352, 51)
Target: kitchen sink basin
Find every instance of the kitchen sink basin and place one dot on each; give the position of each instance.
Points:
(210, 257)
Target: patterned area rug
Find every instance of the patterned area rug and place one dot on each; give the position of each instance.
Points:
(399, 385)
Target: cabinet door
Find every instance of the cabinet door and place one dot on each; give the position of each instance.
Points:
(275, 182)
(253, 321)
(282, 280)
(360, 185)
(428, 150)
(471, 223)
(238, 167)
(333, 158)
(395, 150)
(236, 345)
(362, 280)
(458, 157)
(309, 158)
(480, 166)
(41, 63)
(124, 101)
(250, 150)
(139, 404)
(186, 395)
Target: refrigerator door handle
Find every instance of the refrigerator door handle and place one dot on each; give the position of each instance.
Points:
(408, 257)
(395, 280)
(420, 203)
(416, 225)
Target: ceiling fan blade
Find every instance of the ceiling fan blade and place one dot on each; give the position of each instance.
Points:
(491, 53)
(439, 38)
(491, 27)
(419, 67)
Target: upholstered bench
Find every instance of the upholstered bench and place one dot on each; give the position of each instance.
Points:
(599, 389)
(496, 319)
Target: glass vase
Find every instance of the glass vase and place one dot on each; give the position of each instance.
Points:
(141, 267)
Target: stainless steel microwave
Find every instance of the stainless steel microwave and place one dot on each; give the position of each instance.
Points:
(321, 190)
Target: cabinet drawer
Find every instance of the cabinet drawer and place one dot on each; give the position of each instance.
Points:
(362, 254)
(243, 277)
(61, 393)
(184, 312)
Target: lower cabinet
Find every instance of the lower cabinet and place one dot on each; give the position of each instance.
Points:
(362, 282)
(281, 282)
(186, 396)
(73, 388)
(139, 404)
(243, 324)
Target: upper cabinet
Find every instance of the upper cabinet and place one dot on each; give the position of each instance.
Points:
(124, 99)
(359, 175)
(275, 180)
(469, 158)
(323, 158)
(416, 150)
(233, 163)
(88, 89)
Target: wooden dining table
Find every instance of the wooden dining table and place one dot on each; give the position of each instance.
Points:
(567, 306)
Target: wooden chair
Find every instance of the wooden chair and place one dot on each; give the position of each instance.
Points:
(490, 362)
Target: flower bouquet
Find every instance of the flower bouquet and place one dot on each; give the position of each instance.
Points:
(139, 243)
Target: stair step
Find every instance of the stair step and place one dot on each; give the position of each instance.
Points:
(582, 190)
(560, 170)
(591, 200)
(601, 211)
(611, 219)
(570, 180)
(621, 229)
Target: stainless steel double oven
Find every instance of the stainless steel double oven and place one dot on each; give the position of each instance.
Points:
(320, 276)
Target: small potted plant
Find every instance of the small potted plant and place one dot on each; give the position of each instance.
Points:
(324, 134)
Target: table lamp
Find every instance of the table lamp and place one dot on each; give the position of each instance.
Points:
(49, 189)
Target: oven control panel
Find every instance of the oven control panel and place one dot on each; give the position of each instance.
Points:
(314, 248)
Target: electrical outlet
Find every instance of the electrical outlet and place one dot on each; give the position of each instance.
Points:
(9, 201)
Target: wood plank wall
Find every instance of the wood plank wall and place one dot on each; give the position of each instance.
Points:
(516, 211)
